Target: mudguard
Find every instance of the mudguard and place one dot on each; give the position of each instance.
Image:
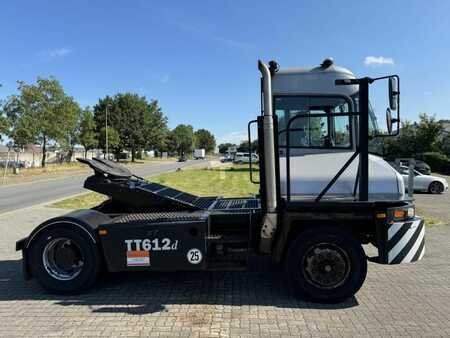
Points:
(85, 220)
(401, 242)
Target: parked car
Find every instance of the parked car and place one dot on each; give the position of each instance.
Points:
(421, 167)
(226, 158)
(245, 158)
(427, 183)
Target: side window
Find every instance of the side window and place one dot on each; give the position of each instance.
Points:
(341, 131)
(404, 171)
(315, 128)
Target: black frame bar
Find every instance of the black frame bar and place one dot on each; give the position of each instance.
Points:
(363, 142)
(250, 151)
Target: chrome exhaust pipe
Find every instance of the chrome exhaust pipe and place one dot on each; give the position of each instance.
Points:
(270, 219)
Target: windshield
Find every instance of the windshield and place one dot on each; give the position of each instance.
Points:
(375, 143)
(316, 121)
(373, 121)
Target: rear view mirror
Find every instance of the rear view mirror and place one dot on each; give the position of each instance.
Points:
(390, 121)
(393, 92)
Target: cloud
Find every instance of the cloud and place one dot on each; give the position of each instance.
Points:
(378, 61)
(51, 54)
(235, 137)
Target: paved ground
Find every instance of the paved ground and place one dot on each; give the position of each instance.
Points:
(405, 300)
(23, 195)
(436, 206)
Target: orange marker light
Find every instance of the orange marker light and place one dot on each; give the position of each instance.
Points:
(399, 213)
(103, 232)
(381, 215)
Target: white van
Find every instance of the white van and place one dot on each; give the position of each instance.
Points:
(245, 158)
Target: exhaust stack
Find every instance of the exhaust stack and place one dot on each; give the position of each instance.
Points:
(270, 218)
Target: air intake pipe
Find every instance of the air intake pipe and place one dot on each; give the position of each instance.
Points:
(270, 220)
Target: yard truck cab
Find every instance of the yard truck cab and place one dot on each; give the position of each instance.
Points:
(322, 196)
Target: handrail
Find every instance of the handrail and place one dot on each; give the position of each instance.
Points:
(250, 151)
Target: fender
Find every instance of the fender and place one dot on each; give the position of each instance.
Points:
(86, 220)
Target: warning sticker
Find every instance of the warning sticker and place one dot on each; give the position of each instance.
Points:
(138, 258)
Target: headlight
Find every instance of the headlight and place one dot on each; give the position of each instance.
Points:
(404, 213)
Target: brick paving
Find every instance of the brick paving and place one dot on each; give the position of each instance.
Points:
(405, 300)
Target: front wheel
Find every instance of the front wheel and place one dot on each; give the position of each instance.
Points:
(326, 265)
(63, 260)
(436, 187)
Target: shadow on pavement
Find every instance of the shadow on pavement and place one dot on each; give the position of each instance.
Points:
(142, 293)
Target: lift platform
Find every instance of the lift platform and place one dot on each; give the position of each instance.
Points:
(121, 185)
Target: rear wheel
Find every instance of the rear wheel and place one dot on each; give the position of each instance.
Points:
(326, 265)
(436, 187)
(64, 260)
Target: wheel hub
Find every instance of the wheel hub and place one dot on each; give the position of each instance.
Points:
(62, 259)
(326, 266)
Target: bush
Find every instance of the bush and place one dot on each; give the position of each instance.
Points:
(437, 161)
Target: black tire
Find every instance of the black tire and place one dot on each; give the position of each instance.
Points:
(308, 260)
(435, 187)
(87, 274)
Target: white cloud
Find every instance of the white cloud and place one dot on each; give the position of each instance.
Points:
(48, 55)
(235, 137)
(378, 61)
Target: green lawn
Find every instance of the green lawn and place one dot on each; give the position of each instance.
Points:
(231, 181)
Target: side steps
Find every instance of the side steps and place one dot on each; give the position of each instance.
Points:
(228, 251)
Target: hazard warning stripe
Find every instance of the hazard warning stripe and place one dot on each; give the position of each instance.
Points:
(406, 242)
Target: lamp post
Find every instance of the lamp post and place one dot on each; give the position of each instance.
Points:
(106, 132)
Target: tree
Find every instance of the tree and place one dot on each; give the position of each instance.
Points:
(156, 131)
(243, 146)
(40, 113)
(415, 138)
(446, 144)
(223, 147)
(4, 124)
(113, 139)
(428, 132)
(72, 129)
(139, 124)
(88, 137)
(181, 139)
(204, 139)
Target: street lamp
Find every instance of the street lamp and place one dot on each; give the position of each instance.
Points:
(106, 132)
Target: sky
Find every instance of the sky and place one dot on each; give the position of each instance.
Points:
(199, 58)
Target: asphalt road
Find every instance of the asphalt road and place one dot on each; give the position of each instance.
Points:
(18, 196)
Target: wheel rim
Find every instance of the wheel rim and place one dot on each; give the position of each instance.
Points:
(326, 266)
(435, 188)
(63, 259)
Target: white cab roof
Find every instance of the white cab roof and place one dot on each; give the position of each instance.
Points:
(316, 80)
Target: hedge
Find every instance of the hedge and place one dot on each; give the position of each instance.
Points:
(437, 161)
